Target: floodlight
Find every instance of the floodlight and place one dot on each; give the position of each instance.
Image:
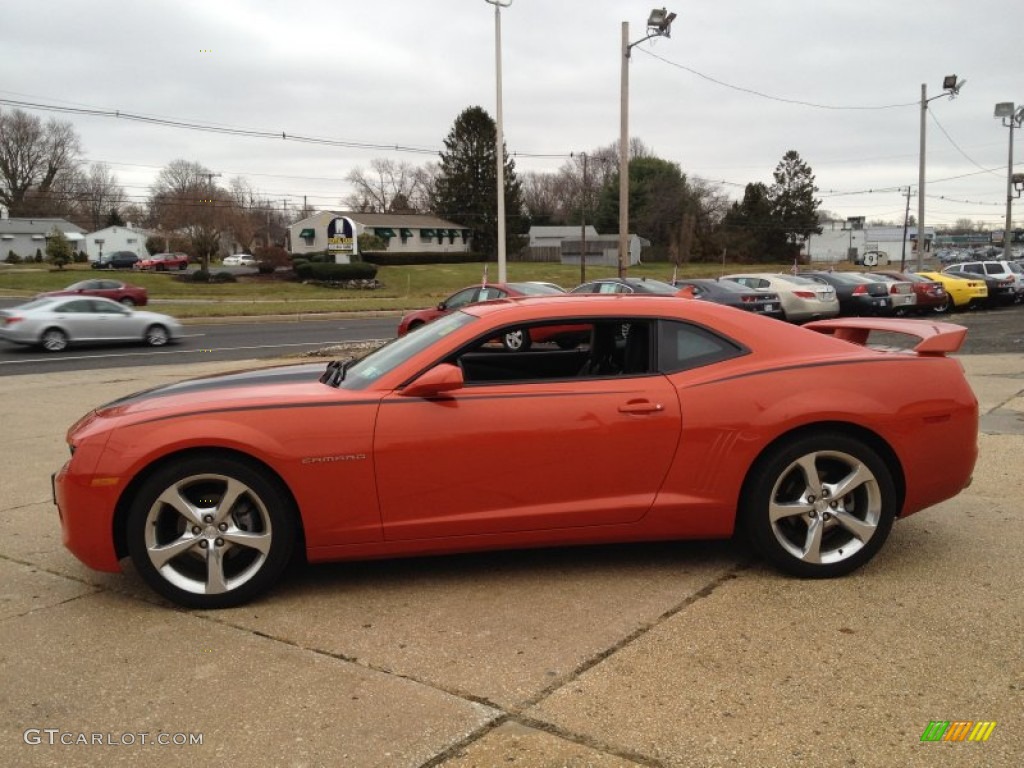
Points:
(1004, 109)
(949, 83)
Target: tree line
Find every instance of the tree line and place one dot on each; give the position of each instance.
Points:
(43, 173)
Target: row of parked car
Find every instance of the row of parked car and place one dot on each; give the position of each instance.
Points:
(158, 262)
(800, 297)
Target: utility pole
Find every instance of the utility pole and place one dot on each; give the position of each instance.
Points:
(583, 223)
(906, 221)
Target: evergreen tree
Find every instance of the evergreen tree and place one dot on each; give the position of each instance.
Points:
(58, 249)
(794, 208)
(466, 186)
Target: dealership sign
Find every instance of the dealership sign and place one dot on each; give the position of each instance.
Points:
(341, 236)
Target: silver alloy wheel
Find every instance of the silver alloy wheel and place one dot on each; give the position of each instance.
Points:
(825, 507)
(516, 341)
(54, 340)
(156, 336)
(208, 534)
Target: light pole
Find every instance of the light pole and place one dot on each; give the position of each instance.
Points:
(499, 140)
(951, 87)
(659, 24)
(1012, 118)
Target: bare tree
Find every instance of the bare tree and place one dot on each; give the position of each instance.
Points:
(98, 194)
(388, 187)
(185, 200)
(35, 160)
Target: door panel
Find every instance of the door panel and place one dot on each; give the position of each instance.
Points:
(530, 456)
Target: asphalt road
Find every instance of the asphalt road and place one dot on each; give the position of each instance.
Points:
(207, 342)
(990, 332)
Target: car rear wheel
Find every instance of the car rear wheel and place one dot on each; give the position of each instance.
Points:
(210, 532)
(54, 340)
(516, 341)
(128, 301)
(157, 336)
(819, 506)
(946, 306)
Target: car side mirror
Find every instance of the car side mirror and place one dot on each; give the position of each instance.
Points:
(444, 377)
(442, 306)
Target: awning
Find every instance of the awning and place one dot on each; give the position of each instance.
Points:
(74, 235)
(405, 232)
(307, 233)
(426, 233)
(384, 231)
(38, 237)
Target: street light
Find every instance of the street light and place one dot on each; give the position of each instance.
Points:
(1012, 118)
(659, 24)
(499, 139)
(951, 87)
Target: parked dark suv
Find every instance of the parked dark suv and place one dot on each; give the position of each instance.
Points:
(116, 260)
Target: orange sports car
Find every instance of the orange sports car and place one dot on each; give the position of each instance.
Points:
(673, 420)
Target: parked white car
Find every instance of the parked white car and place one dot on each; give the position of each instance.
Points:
(240, 260)
(802, 298)
(992, 268)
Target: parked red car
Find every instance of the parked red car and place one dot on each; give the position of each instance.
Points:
(931, 295)
(702, 421)
(129, 295)
(161, 262)
(514, 340)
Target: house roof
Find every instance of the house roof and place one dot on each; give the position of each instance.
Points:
(406, 220)
(38, 226)
(112, 230)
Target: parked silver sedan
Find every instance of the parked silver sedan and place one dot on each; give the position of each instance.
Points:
(802, 298)
(54, 322)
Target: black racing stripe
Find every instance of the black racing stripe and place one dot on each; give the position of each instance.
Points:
(285, 374)
(801, 366)
(243, 408)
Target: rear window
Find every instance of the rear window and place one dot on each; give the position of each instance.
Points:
(535, 289)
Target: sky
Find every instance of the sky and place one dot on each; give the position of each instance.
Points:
(719, 97)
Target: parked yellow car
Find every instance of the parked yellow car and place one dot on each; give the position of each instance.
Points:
(961, 293)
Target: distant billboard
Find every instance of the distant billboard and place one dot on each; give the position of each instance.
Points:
(341, 236)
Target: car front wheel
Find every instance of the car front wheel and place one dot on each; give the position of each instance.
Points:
(157, 336)
(210, 532)
(819, 506)
(128, 301)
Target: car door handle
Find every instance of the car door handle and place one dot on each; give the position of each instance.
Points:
(641, 406)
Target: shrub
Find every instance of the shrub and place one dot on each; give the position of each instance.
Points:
(81, 257)
(275, 256)
(385, 258)
(336, 272)
(13, 258)
(265, 268)
(39, 256)
(199, 276)
(223, 277)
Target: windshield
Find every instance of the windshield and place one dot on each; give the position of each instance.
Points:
(652, 286)
(366, 371)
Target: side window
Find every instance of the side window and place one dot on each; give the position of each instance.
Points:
(974, 269)
(106, 308)
(994, 269)
(462, 298)
(486, 294)
(682, 346)
(77, 306)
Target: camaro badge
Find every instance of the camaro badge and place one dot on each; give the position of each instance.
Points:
(330, 459)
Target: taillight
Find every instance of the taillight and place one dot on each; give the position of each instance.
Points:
(860, 290)
(12, 319)
(805, 294)
(748, 299)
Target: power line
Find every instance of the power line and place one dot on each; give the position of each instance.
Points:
(931, 113)
(770, 97)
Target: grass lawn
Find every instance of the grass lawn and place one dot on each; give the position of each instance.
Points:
(406, 287)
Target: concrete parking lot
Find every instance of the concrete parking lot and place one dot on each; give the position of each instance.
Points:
(687, 654)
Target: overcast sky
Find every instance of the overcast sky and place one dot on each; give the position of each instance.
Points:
(400, 72)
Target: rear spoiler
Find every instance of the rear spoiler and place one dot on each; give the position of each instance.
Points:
(936, 339)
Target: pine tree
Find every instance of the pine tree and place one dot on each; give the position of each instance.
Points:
(794, 208)
(466, 188)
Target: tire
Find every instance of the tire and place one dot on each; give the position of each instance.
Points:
(128, 301)
(54, 340)
(157, 336)
(946, 307)
(805, 526)
(517, 341)
(161, 268)
(183, 267)
(199, 551)
(414, 325)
